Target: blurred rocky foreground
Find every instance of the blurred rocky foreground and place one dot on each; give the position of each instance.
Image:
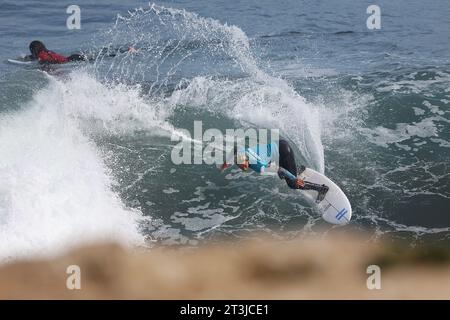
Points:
(332, 267)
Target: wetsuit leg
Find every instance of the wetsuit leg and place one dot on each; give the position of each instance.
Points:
(76, 57)
(287, 161)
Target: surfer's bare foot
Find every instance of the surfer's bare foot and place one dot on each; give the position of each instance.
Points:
(299, 183)
(301, 169)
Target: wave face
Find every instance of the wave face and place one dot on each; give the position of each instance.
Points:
(56, 190)
(76, 155)
(193, 68)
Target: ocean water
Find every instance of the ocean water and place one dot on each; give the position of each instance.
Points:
(85, 149)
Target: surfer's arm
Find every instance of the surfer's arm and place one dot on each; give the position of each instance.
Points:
(115, 51)
(292, 180)
(28, 58)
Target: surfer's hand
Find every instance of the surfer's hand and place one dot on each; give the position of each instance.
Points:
(299, 183)
(244, 166)
(224, 166)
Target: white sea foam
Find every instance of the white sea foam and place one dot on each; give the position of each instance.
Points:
(384, 136)
(56, 191)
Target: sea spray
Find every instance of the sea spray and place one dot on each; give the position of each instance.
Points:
(56, 190)
(172, 43)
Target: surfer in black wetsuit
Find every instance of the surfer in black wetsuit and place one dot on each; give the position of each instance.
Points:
(260, 157)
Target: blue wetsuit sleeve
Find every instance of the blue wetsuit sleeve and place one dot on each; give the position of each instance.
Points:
(261, 156)
(256, 163)
(284, 174)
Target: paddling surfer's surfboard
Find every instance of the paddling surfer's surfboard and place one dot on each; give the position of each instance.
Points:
(20, 62)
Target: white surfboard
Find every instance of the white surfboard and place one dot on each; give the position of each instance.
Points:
(20, 62)
(335, 207)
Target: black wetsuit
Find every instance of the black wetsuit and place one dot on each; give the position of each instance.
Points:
(287, 161)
